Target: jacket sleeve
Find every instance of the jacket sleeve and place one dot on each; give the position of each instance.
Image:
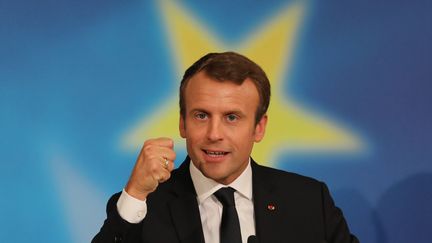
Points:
(116, 229)
(336, 228)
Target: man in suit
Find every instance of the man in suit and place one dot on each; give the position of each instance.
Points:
(219, 194)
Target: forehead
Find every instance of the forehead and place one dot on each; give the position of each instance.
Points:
(203, 92)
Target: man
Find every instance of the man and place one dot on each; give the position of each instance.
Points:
(219, 194)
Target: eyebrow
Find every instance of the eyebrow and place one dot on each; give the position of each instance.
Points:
(238, 112)
(198, 110)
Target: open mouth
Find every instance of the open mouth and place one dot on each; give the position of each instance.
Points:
(215, 154)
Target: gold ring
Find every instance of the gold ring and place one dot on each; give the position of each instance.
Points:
(166, 162)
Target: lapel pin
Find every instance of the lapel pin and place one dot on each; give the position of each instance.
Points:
(271, 207)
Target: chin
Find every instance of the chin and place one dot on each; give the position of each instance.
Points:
(213, 173)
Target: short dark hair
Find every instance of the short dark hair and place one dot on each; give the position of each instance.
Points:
(232, 67)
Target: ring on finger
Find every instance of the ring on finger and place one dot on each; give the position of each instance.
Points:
(165, 162)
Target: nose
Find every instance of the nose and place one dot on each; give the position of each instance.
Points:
(214, 130)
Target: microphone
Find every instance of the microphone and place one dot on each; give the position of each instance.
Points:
(252, 239)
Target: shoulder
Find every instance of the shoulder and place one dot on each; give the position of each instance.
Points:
(289, 181)
(277, 174)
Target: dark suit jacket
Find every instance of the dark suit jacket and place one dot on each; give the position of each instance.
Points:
(303, 212)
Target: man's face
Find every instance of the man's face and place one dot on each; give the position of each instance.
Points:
(219, 126)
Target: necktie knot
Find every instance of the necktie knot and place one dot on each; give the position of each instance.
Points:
(225, 195)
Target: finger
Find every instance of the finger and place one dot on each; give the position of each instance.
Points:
(164, 142)
(161, 176)
(166, 153)
(161, 154)
(159, 168)
(157, 154)
(170, 166)
(156, 150)
(167, 164)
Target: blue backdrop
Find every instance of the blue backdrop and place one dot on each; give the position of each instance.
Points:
(84, 83)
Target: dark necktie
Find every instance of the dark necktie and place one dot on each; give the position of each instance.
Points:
(230, 225)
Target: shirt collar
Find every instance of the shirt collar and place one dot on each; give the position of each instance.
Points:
(205, 187)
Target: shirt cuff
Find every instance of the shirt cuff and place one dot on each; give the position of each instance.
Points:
(131, 209)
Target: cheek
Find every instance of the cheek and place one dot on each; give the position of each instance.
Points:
(194, 135)
(243, 138)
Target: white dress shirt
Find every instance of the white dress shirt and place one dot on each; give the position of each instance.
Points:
(134, 210)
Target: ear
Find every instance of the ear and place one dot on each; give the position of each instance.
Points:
(260, 128)
(182, 127)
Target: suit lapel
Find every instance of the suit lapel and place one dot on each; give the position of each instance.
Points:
(184, 209)
(268, 218)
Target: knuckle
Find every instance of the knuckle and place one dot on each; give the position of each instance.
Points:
(168, 142)
(148, 142)
(151, 156)
(153, 170)
(170, 154)
(148, 147)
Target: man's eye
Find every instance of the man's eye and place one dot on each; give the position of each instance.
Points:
(201, 116)
(232, 117)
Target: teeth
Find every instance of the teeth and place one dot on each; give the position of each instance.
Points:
(214, 153)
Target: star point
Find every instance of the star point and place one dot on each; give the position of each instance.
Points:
(291, 127)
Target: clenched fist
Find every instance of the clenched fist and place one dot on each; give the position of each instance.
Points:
(153, 166)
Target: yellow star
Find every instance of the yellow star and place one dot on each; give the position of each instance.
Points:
(290, 128)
